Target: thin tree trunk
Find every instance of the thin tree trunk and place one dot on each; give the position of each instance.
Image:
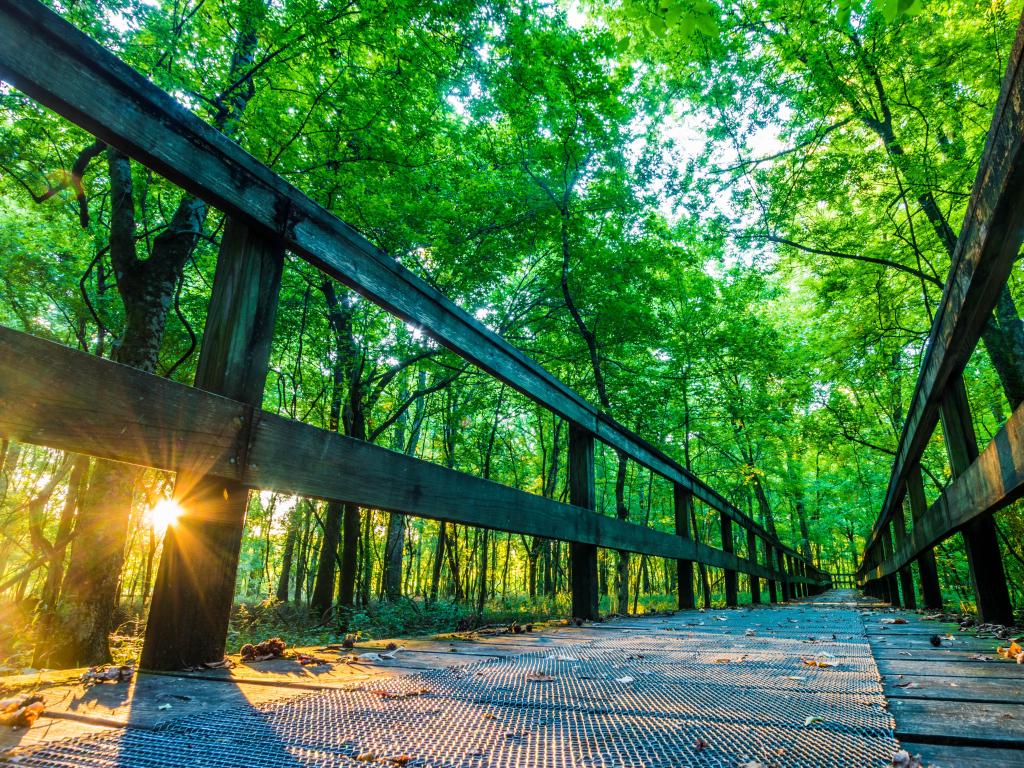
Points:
(289, 553)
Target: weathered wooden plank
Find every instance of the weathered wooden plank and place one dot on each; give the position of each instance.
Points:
(927, 570)
(586, 602)
(987, 247)
(912, 642)
(947, 756)
(951, 665)
(65, 70)
(48, 397)
(952, 722)
(54, 396)
(195, 583)
(910, 686)
(682, 501)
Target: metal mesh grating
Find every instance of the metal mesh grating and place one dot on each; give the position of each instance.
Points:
(754, 707)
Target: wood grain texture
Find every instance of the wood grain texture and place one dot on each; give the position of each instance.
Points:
(54, 396)
(65, 70)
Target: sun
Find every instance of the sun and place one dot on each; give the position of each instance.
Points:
(166, 512)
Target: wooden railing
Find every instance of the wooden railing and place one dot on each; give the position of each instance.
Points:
(985, 253)
(216, 436)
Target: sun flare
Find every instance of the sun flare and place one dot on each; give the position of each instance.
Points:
(165, 513)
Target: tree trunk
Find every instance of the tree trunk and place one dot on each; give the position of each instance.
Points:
(439, 552)
(289, 553)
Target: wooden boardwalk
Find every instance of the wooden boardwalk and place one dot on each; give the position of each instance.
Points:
(791, 685)
(800, 684)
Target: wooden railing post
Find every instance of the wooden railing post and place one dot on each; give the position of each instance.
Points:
(931, 592)
(899, 529)
(770, 562)
(731, 581)
(891, 586)
(585, 603)
(682, 499)
(755, 582)
(195, 584)
(984, 558)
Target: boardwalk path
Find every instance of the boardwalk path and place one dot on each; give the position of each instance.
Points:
(716, 688)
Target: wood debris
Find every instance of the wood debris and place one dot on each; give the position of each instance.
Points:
(308, 660)
(108, 673)
(273, 648)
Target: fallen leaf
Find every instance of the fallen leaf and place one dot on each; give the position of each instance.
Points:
(812, 720)
(539, 677)
(108, 673)
(366, 757)
(819, 663)
(902, 759)
(308, 660)
(399, 760)
(1014, 651)
(385, 694)
(20, 711)
(700, 745)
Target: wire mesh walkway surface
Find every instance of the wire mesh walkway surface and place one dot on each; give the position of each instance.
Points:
(781, 686)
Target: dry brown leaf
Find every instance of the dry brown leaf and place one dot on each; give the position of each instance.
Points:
(20, 711)
(819, 663)
(385, 694)
(108, 673)
(902, 759)
(1014, 651)
(308, 660)
(539, 677)
(700, 745)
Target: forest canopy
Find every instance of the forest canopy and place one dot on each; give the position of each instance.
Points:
(727, 224)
